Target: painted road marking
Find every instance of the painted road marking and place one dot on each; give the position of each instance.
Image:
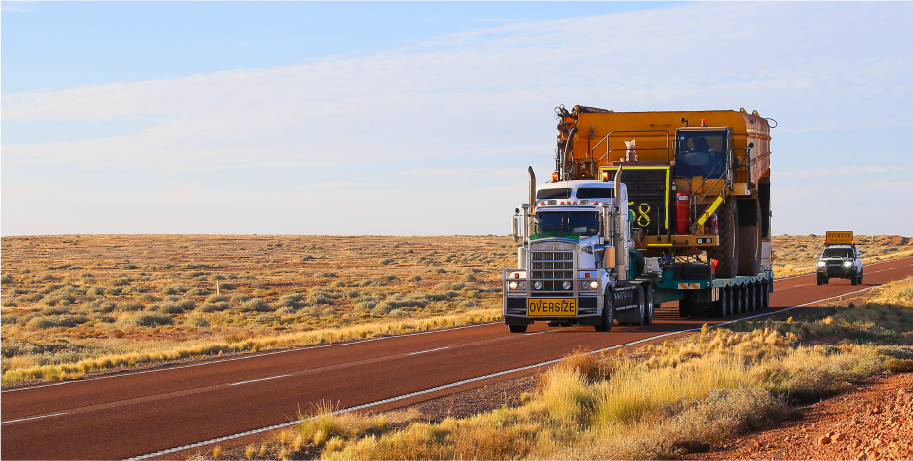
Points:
(261, 379)
(429, 350)
(33, 417)
(465, 381)
(239, 358)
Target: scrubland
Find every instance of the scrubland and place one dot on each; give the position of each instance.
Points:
(795, 254)
(76, 304)
(680, 398)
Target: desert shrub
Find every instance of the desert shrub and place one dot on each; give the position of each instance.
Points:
(173, 290)
(318, 311)
(386, 261)
(238, 299)
(226, 286)
(415, 278)
(7, 302)
(214, 307)
(45, 276)
(56, 310)
(322, 296)
(448, 286)
(113, 291)
(151, 320)
(470, 278)
(256, 305)
(168, 307)
(293, 300)
(58, 299)
(9, 320)
(40, 323)
(197, 321)
(6, 279)
(197, 292)
(217, 299)
(215, 277)
(323, 274)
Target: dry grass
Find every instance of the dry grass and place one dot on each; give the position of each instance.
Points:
(75, 304)
(683, 398)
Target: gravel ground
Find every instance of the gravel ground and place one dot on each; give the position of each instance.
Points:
(875, 421)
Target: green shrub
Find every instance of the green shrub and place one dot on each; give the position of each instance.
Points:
(256, 305)
(6, 279)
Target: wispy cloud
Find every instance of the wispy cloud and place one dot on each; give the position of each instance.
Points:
(490, 91)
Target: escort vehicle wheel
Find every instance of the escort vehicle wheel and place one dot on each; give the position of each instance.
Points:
(608, 312)
(648, 303)
(860, 278)
(819, 279)
(518, 328)
(726, 253)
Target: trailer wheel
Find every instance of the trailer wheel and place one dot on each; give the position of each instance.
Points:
(749, 237)
(728, 292)
(750, 299)
(726, 253)
(518, 328)
(648, 303)
(765, 287)
(608, 312)
(719, 306)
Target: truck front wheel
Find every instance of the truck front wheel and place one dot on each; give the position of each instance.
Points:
(608, 313)
(518, 328)
(648, 303)
(854, 279)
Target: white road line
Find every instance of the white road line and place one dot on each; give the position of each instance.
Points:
(33, 417)
(121, 375)
(536, 333)
(466, 381)
(429, 350)
(261, 379)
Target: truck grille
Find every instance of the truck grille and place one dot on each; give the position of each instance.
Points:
(552, 268)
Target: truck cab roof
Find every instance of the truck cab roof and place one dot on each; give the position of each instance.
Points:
(576, 190)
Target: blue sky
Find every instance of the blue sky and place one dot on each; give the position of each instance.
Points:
(420, 118)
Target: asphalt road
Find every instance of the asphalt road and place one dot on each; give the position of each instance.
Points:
(129, 415)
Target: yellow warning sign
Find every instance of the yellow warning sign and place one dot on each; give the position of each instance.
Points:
(838, 237)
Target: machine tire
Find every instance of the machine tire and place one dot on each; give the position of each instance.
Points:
(751, 302)
(766, 292)
(729, 299)
(726, 253)
(719, 307)
(518, 328)
(648, 303)
(608, 312)
(749, 241)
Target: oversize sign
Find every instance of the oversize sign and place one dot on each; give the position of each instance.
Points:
(552, 307)
(841, 237)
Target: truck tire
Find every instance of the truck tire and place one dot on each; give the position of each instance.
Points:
(749, 237)
(518, 328)
(648, 303)
(765, 290)
(608, 312)
(819, 279)
(726, 252)
(719, 306)
(860, 277)
(854, 279)
(729, 299)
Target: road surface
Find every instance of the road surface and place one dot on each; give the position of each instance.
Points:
(130, 415)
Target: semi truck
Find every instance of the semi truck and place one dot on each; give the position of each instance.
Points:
(642, 210)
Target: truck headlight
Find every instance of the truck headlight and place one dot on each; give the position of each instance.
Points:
(514, 285)
(820, 263)
(537, 285)
(566, 285)
(589, 285)
(848, 263)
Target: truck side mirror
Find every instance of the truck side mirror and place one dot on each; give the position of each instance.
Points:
(750, 145)
(817, 256)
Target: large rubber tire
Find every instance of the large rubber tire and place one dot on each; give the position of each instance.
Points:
(729, 298)
(608, 312)
(860, 277)
(719, 306)
(819, 279)
(518, 328)
(648, 303)
(766, 292)
(642, 306)
(854, 279)
(726, 252)
(749, 239)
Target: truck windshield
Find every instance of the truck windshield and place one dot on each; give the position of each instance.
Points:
(700, 153)
(837, 253)
(567, 223)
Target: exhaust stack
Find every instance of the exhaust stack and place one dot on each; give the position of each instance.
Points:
(532, 189)
(619, 235)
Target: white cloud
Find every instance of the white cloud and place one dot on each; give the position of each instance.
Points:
(447, 103)
(490, 91)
